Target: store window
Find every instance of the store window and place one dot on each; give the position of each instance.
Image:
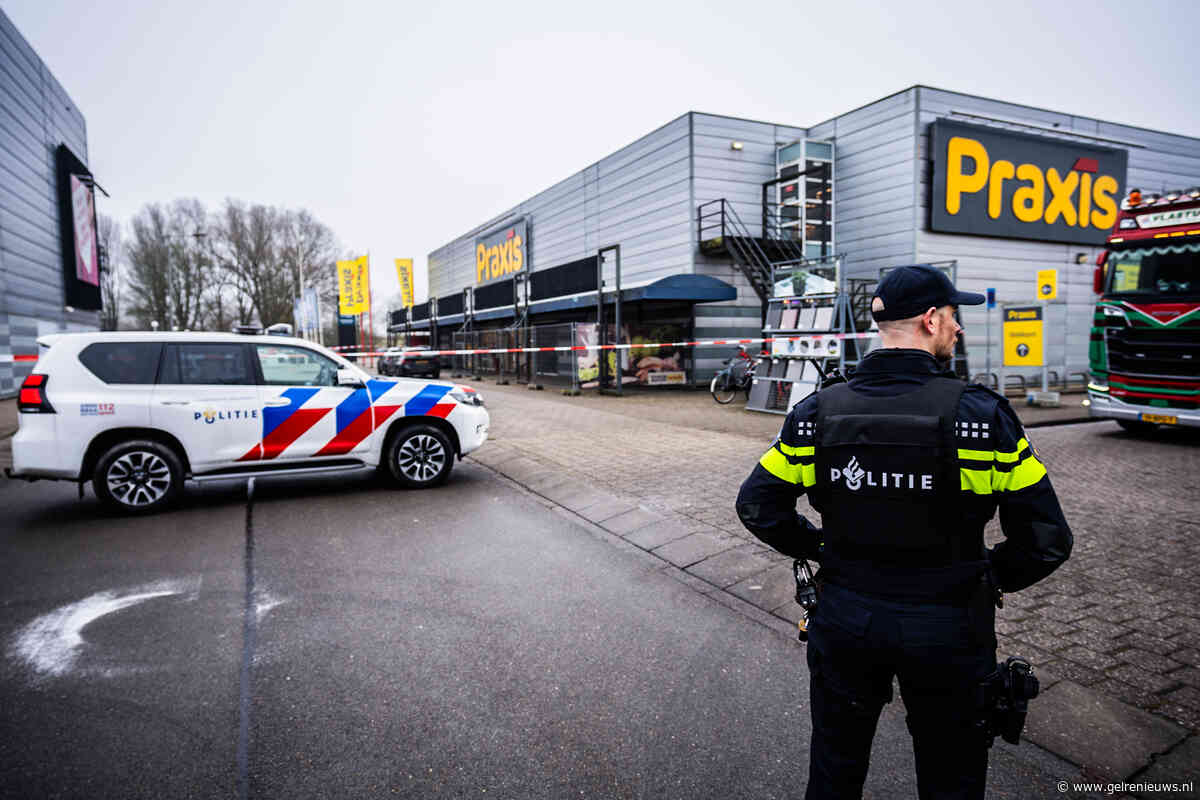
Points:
(806, 166)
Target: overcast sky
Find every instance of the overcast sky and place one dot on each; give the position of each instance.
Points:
(402, 124)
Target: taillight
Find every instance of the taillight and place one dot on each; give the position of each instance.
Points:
(32, 398)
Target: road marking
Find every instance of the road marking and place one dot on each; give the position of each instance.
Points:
(249, 640)
(51, 644)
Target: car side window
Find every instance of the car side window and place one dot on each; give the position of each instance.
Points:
(122, 362)
(283, 365)
(206, 364)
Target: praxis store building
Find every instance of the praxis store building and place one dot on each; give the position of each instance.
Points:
(699, 215)
(49, 257)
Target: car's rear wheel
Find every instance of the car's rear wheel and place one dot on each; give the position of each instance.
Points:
(138, 477)
(420, 457)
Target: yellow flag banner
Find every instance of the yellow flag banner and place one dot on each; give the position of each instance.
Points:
(404, 271)
(354, 286)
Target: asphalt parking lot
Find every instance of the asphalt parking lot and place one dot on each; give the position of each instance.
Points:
(346, 639)
(626, 491)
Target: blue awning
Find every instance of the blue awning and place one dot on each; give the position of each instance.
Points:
(689, 288)
(696, 288)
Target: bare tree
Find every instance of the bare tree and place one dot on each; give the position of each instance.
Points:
(249, 247)
(149, 254)
(169, 267)
(309, 253)
(110, 277)
(191, 264)
(190, 269)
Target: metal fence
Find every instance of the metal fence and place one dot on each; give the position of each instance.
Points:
(559, 368)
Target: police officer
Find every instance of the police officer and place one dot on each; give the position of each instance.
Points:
(906, 464)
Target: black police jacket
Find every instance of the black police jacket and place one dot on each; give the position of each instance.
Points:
(998, 468)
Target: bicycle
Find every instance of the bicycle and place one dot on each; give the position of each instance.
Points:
(725, 384)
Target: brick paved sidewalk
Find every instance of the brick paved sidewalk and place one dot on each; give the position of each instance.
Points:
(1117, 626)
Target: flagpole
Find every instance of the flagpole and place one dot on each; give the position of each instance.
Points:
(370, 306)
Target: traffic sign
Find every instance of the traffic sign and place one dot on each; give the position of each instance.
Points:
(1047, 284)
(1023, 336)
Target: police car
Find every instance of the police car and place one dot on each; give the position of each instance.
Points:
(137, 414)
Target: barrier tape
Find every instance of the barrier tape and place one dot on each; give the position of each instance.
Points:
(641, 346)
(6, 358)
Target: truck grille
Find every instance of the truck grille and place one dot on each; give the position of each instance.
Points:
(1155, 353)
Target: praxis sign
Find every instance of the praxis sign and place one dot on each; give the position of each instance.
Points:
(501, 253)
(994, 182)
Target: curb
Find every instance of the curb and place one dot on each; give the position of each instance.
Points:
(1104, 738)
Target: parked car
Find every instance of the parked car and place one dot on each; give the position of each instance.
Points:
(389, 360)
(416, 362)
(138, 414)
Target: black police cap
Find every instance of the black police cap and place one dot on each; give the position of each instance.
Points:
(910, 291)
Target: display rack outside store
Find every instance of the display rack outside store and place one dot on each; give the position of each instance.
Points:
(812, 303)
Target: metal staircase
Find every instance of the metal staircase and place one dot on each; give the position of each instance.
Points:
(721, 231)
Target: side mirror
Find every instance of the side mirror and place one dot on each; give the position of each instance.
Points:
(1098, 280)
(348, 377)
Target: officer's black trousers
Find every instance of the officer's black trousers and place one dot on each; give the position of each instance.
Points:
(857, 644)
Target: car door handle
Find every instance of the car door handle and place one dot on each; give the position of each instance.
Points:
(277, 401)
(175, 402)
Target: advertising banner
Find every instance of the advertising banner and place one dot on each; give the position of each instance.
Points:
(354, 286)
(77, 239)
(501, 253)
(404, 272)
(308, 319)
(87, 260)
(1023, 336)
(312, 310)
(651, 365)
(995, 182)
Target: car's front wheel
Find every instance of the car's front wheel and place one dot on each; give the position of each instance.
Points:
(138, 477)
(420, 456)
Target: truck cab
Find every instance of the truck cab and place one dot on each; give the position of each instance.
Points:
(1144, 349)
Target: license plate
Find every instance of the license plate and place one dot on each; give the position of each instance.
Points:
(1165, 419)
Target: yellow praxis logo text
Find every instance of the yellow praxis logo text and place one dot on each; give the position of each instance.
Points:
(1077, 198)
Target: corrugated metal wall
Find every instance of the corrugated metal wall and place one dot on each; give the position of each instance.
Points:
(1156, 161)
(36, 115)
(638, 197)
(736, 176)
(874, 185)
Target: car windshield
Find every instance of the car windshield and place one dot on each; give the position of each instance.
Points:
(1166, 270)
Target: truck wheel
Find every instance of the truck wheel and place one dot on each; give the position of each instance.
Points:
(420, 457)
(138, 477)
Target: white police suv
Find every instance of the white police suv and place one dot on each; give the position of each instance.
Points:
(138, 414)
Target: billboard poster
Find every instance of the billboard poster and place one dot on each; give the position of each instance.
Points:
(648, 365)
(501, 253)
(83, 206)
(405, 273)
(354, 286)
(994, 182)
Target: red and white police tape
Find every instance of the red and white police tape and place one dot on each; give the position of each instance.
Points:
(6, 358)
(639, 346)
